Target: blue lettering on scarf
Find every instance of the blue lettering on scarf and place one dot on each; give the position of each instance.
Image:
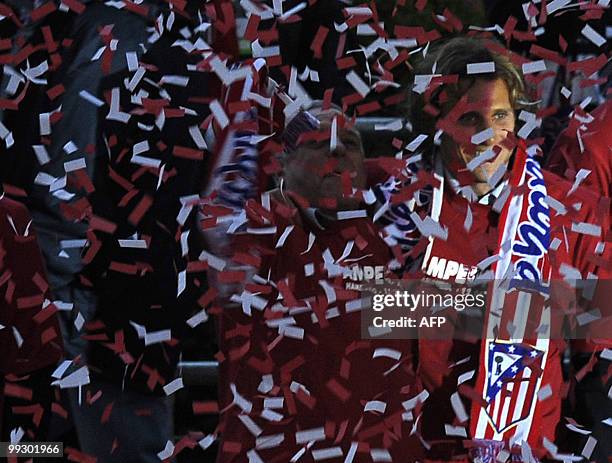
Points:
(534, 233)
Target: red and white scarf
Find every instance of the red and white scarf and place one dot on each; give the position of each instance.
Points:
(513, 354)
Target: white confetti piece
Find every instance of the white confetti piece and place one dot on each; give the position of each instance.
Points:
(357, 304)
(528, 127)
(219, 114)
(76, 379)
(308, 270)
(386, 352)
(79, 321)
(61, 369)
(254, 457)
(503, 456)
(326, 454)
(44, 121)
(469, 218)
(351, 453)
(198, 318)
(586, 228)
(294, 332)
(545, 392)
(482, 136)
(330, 292)
(380, 455)
(286, 232)
(157, 337)
(533, 67)
(264, 52)
(414, 144)
(71, 244)
(587, 451)
(41, 154)
(250, 425)
(580, 176)
(70, 147)
(206, 441)
(347, 215)
(135, 244)
(588, 317)
(566, 92)
(606, 354)
(481, 158)
(75, 164)
(240, 401)
(375, 406)
(173, 386)
(268, 442)
(266, 385)
(18, 337)
(593, 35)
(6, 135)
(455, 430)
(214, 262)
(290, 12)
(167, 451)
(556, 5)
(419, 398)
(131, 86)
(197, 137)
(556, 205)
(458, 408)
(262, 231)
(315, 434)
(358, 84)
(274, 402)
(481, 68)
(358, 11)
(140, 147)
(181, 283)
(94, 100)
(179, 81)
(131, 59)
(465, 377)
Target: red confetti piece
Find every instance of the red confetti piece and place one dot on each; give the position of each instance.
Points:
(317, 42)
(106, 413)
(338, 390)
(74, 5)
(205, 408)
(208, 297)
(140, 210)
(20, 392)
(188, 153)
(42, 11)
(48, 335)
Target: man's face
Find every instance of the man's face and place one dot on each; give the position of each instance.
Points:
(486, 105)
(317, 173)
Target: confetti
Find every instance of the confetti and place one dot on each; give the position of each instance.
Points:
(591, 34)
(480, 68)
(533, 67)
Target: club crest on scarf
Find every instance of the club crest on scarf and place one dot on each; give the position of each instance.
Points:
(513, 370)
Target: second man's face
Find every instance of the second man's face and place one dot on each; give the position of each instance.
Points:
(486, 107)
(323, 175)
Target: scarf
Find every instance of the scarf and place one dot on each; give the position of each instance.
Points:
(515, 344)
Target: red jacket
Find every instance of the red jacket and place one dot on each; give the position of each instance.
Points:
(566, 158)
(436, 358)
(30, 337)
(320, 373)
